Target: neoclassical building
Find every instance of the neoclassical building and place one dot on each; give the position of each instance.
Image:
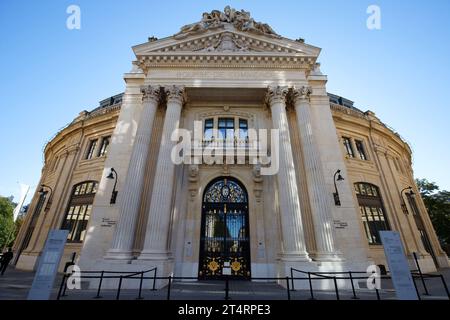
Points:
(138, 187)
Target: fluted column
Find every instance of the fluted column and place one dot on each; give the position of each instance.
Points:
(294, 248)
(155, 245)
(129, 202)
(319, 195)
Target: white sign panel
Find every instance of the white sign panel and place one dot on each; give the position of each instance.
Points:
(398, 266)
(48, 265)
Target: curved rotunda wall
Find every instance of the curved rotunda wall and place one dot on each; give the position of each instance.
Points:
(66, 165)
(386, 164)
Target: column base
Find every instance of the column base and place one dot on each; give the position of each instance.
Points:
(328, 257)
(154, 255)
(117, 254)
(294, 257)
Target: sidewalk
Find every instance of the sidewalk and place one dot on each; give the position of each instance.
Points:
(14, 285)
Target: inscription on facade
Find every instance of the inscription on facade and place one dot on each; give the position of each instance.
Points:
(338, 224)
(107, 222)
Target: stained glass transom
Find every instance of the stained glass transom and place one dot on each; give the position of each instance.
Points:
(225, 190)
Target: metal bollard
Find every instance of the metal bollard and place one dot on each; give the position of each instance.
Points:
(120, 287)
(353, 286)
(310, 287)
(99, 286)
(140, 286)
(288, 289)
(168, 287)
(336, 288)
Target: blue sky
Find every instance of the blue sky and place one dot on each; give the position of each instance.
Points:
(50, 73)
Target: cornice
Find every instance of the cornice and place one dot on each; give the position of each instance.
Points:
(230, 60)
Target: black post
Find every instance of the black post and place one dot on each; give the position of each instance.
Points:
(154, 280)
(336, 288)
(310, 286)
(66, 277)
(61, 287)
(168, 287)
(420, 273)
(445, 285)
(292, 280)
(415, 287)
(288, 289)
(353, 286)
(118, 289)
(378, 293)
(98, 296)
(227, 289)
(140, 286)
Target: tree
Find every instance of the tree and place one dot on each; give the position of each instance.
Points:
(6, 221)
(438, 206)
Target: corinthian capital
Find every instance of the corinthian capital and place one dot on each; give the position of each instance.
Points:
(151, 93)
(302, 93)
(276, 94)
(175, 93)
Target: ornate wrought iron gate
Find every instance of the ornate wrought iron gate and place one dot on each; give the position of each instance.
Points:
(225, 237)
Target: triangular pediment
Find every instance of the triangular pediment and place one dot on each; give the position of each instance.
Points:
(227, 38)
(226, 41)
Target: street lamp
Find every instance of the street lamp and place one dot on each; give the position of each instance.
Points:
(113, 175)
(42, 192)
(403, 203)
(337, 201)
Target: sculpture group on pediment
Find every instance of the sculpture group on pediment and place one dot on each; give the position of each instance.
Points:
(241, 20)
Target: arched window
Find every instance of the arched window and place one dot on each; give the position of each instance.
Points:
(372, 211)
(79, 210)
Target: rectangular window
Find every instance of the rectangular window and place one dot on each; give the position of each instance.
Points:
(104, 147)
(348, 147)
(208, 130)
(360, 149)
(226, 128)
(91, 149)
(374, 221)
(243, 129)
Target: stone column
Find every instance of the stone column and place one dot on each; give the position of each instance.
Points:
(123, 238)
(155, 245)
(320, 200)
(294, 248)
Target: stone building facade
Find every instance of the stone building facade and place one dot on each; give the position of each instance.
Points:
(341, 174)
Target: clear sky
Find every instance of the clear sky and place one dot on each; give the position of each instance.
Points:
(50, 73)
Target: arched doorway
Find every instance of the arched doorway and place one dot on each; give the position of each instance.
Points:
(225, 236)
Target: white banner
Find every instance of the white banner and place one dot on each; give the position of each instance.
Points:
(23, 194)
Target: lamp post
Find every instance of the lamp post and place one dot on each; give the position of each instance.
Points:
(113, 175)
(403, 203)
(337, 201)
(43, 192)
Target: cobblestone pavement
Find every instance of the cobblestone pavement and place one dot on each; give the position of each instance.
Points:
(14, 285)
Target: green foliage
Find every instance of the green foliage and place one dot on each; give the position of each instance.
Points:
(6, 221)
(438, 206)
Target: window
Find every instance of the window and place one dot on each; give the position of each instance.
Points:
(372, 211)
(243, 129)
(91, 149)
(208, 131)
(226, 128)
(104, 147)
(360, 149)
(348, 147)
(79, 210)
